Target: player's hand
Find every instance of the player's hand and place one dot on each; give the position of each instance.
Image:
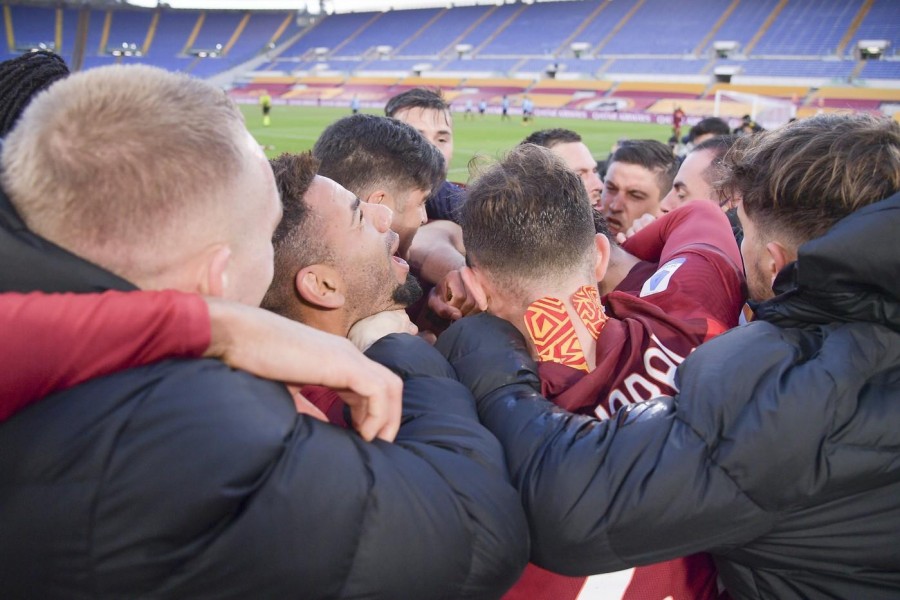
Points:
(366, 332)
(304, 406)
(276, 348)
(455, 296)
(636, 226)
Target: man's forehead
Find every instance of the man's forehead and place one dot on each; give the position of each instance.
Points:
(430, 118)
(630, 174)
(575, 154)
(324, 194)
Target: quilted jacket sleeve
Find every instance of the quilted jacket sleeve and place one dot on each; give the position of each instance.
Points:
(600, 495)
(293, 507)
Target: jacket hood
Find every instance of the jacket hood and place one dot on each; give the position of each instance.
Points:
(850, 274)
(32, 263)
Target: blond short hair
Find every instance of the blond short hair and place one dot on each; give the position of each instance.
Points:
(113, 162)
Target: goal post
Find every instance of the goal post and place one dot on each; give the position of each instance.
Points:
(765, 110)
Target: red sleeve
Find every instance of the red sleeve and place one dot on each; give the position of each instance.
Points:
(54, 341)
(693, 223)
(701, 277)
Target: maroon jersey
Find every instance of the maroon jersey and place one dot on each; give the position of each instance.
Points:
(696, 292)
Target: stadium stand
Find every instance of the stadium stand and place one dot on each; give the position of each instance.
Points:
(808, 28)
(629, 55)
(881, 22)
(555, 21)
(450, 28)
(743, 23)
(650, 30)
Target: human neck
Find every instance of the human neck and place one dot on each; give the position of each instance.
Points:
(620, 264)
(329, 321)
(517, 313)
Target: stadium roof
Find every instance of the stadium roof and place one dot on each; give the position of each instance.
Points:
(313, 6)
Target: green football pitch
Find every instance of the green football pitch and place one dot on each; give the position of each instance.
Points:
(296, 128)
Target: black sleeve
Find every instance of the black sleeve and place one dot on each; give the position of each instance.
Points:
(445, 203)
(278, 505)
(599, 495)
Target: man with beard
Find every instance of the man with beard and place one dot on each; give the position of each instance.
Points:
(383, 161)
(535, 259)
(778, 453)
(187, 478)
(335, 263)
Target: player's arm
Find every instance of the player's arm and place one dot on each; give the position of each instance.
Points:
(55, 341)
(701, 275)
(437, 249)
(438, 255)
(692, 223)
(600, 495)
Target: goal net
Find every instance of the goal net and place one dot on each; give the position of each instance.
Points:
(765, 110)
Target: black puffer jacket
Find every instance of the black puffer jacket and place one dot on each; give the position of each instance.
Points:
(780, 455)
(186, 479)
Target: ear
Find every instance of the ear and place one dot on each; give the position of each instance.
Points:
(379, 197)
(779, 257)
(214, 279)
(319, 285)
(474, 283)
(600, 268)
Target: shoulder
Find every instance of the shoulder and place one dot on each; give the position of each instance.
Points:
(796, 398)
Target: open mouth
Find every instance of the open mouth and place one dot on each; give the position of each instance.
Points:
(615, 225)
(400, 266)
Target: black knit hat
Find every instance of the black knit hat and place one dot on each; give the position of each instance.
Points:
(21, 78)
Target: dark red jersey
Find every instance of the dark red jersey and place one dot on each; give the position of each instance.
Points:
(696, 293)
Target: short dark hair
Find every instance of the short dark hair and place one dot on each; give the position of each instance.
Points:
(654, 156)
(416, 98)
(552, 137)
(21, 78)
(528, 218)
(717, 146)
(799, 180)
(295, 241)
(713, 125)
(363, 152)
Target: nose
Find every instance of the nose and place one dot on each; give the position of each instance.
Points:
(609, 201)
(379, 215)
(668, 203)
(423, 215)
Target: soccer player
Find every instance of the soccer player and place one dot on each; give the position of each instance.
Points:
(639, 175)
(778, 453)
(530, 235)
(188, 477)
(265, 103)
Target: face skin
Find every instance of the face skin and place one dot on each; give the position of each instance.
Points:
(690, 185)
(361, 247)
(755, 255)
(251, 262)
(629, 191)
(409, 215)
(702, 138)
(578, 158)
(435, 125)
